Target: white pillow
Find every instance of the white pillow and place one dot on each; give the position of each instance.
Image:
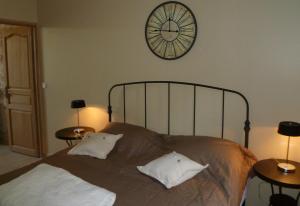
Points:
(172, 169)
(96, 145)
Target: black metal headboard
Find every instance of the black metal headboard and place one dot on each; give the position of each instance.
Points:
(169, 83)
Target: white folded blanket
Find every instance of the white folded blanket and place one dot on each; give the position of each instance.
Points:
(46, 185)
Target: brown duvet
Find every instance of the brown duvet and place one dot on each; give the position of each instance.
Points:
(221, 184)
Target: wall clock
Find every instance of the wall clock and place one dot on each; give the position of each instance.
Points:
(171, 30)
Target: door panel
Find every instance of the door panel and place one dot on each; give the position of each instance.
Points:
(21, 128)
(20, 93)
(19, 99)
(18, 61)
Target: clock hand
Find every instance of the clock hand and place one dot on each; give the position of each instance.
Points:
(169, 24)
(166, 30)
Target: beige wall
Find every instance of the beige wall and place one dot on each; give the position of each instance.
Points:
(249, 45)
(20, 10)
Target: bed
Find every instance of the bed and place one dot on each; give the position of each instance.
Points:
(223, 183)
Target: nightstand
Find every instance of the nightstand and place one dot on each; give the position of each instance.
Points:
(268, 171)
(68, 134)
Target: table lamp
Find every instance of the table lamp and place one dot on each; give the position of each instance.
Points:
(77, 104)
(290, 129)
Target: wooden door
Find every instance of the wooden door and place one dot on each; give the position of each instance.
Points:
(20, 92)
(3, 120)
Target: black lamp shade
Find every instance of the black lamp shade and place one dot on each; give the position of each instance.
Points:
(80, 103)
(287, 128)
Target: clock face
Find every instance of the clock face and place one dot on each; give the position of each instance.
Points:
(171, 30)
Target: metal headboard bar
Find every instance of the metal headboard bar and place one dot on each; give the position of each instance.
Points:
(145, 92)
(169, 99)
(194, 109)
(223, 111)
(223, 90)
(124, 102)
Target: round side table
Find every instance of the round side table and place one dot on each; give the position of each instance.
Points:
(68, 134)
(269, 172)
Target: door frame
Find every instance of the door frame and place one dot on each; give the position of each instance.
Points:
(38, 81)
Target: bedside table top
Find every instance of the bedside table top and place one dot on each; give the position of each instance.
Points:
(268, 171)
(69, 134)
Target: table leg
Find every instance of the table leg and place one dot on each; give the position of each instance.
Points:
(280, 190)
(272, 188)
(69, 143)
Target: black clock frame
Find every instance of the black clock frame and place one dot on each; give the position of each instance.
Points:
(196, 30)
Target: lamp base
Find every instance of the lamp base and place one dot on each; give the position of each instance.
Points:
(286, 167)
(78, 130)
